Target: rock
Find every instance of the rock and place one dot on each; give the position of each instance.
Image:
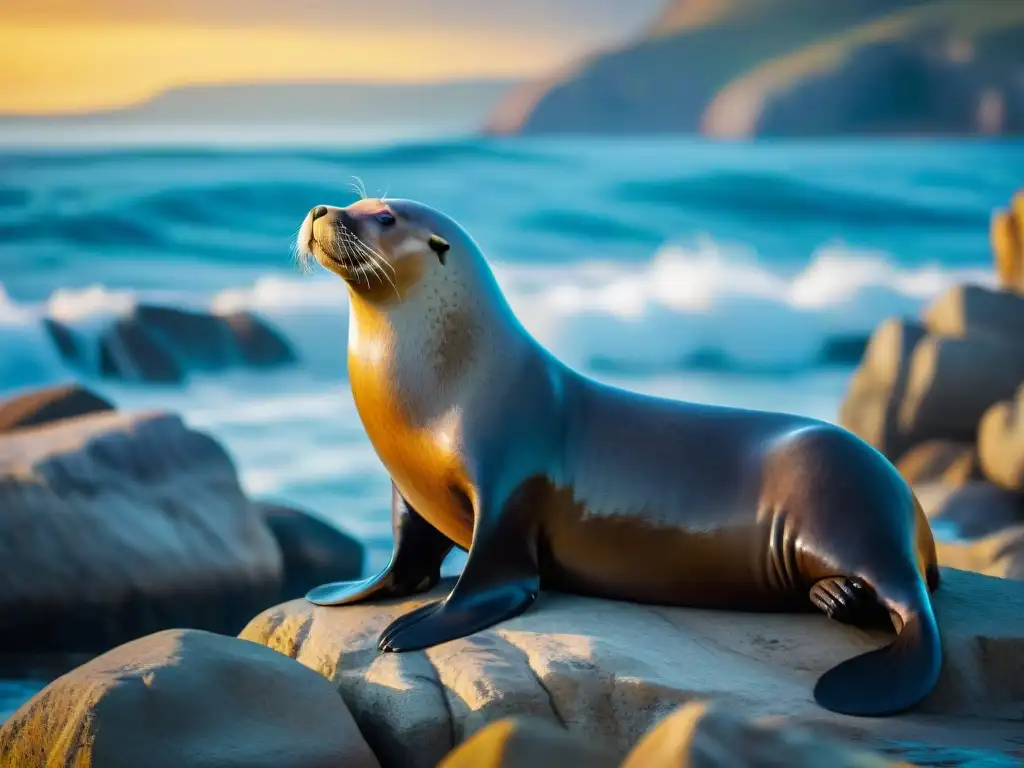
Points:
(1001, 443)
(199, 339)
(871, 82)
(115, 525)
(257, 343)
(870, 409)
(161, 344)
(862, 67)
(215, 342)
(969, 511)
(313, 552)
(972, 310)
(999, 554)
(940, 460)
(952, 382)
(527, 742)
(610, 670)
(130, 352)
(1007, 237)
(64, 339)
(702, 735)
(42, 406)
(697, 735)
(186, 698)
(846, 349)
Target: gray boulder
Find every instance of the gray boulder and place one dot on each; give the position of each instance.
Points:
(115, 525)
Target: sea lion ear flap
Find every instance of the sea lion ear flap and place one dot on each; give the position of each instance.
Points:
(439, 246)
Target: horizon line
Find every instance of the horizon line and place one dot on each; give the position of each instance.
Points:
(394, 82)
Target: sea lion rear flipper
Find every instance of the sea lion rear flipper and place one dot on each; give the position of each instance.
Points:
(419, 550)
(850, 601)
(499, 581)
(894, 678)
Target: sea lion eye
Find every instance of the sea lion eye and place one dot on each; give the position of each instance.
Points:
(385, 218)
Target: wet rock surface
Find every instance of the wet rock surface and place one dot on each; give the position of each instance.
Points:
(162, 345)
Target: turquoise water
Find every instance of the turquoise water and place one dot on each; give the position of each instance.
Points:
(709, 271)
(713, 272)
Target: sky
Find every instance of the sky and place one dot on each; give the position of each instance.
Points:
(66, 56)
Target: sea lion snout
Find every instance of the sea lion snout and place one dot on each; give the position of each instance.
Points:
(328, 221)
(333, 236)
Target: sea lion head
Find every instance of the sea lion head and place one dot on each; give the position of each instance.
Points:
(384, 249)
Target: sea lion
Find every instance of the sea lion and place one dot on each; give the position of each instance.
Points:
(551, 479)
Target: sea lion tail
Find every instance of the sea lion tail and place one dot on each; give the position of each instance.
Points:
(894, 678)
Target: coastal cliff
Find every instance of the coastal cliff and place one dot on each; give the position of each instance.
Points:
(740, 68)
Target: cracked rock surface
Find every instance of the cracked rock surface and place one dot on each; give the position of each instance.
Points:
(609, 671)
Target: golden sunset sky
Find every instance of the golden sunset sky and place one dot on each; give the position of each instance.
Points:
(59, 56)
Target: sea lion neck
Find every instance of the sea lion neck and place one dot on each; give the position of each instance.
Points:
(437, 348)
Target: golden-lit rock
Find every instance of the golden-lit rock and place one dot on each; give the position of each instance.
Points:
(608, 671)
(527, 742)
(870, 409)
(1001, 443)
(702, 735)
(944, 461)
(186, 698)
(1007, 237)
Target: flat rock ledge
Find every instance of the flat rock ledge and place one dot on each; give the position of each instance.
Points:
(609, 671)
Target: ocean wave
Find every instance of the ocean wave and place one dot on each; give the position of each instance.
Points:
(584, 224)
(413, 153)
(767, 195)
(703, 305)
(529, 199)
(93, 229)
(228, 204)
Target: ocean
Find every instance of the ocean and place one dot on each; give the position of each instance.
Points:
(715, 272)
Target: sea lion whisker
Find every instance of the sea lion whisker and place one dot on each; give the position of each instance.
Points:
(371, 261)
(369, 251)
(354, 253)
(347, 245)
(300, 253)
(358, 187)
(377, 255)
(376, 258)
(377, 263)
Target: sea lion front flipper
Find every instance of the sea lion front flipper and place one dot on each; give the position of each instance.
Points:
(415, 566)
(499, 581)
(893, 678)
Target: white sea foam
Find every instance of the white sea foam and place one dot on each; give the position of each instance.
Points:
(686, 300)
(295, 434)
(705, 298)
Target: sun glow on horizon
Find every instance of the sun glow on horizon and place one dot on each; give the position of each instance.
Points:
(76, 67)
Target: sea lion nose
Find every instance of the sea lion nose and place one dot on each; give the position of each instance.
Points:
(317, 212)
